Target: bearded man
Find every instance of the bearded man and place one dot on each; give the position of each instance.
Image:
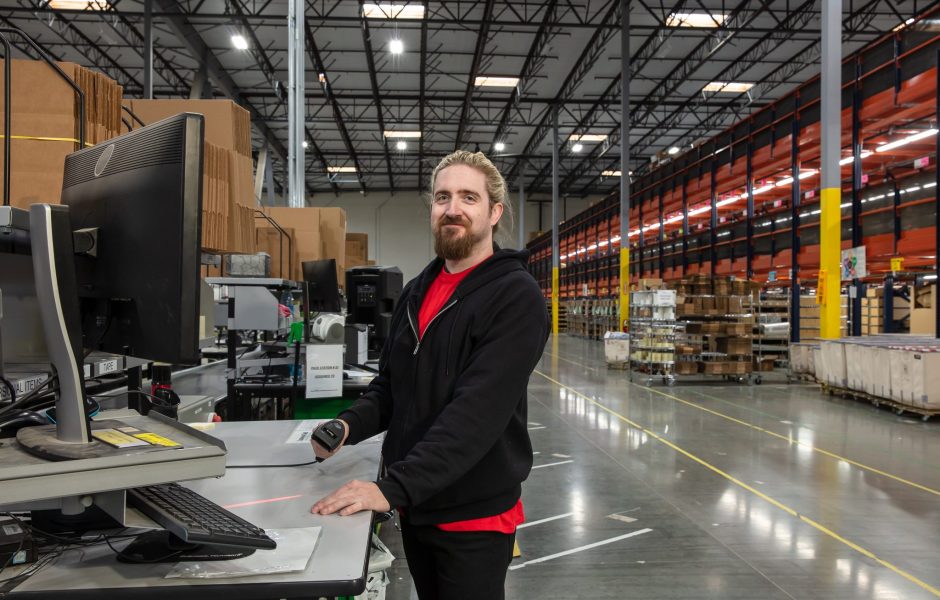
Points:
(451, 395)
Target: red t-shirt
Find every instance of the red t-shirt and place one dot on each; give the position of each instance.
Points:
(437, 296)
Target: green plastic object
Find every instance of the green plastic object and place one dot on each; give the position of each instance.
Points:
(296, 333)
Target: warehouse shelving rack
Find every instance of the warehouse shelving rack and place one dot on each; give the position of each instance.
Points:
(692, 212)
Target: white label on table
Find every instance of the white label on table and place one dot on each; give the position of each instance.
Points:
(301, 434)
(108, 366)
(324, 373)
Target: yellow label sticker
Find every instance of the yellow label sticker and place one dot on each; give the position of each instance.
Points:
(896, 263)
(115, 438)
(157, 440)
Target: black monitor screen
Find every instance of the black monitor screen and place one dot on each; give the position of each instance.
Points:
(143, 193)
(322, 287)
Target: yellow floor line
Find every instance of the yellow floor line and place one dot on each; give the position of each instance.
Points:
(812, 523)
(786, 438)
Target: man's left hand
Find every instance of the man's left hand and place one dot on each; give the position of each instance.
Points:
(353, 497)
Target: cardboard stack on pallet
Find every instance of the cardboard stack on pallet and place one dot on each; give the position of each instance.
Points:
(228, 129)
(45, 125)
(873, 311)
(810, 317)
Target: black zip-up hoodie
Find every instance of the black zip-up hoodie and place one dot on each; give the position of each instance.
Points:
(454, 403)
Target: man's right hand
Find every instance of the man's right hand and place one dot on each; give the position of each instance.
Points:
(322, 453)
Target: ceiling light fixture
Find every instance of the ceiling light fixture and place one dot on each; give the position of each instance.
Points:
(733, 87)
(577, 148)
(674, 150)
(396, 46)
(239, 42)
(341, 169)
(79, 5)
(610, 173)
(401, 145)
(393, 11)
(699, 19)
(401, 134)
(499, 146)
(589, 137)
(907, 140)
(491, 81)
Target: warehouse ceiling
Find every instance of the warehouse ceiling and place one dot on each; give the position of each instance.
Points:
(414, 67)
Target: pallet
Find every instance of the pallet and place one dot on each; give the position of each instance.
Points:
(899, 407)
(804, 377)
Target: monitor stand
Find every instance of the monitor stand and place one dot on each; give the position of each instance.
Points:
(50, 232)
(164, 547)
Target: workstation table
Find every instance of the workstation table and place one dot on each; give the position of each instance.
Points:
(270, 497)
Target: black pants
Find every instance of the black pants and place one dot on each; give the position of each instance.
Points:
(457, 565)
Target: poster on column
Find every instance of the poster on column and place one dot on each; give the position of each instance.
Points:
(853, 263)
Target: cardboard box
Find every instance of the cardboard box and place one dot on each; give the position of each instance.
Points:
(333, 239)
(359, 244)
(650, 284)
(735, 346)
(275, 244)
(226, 124)
(716, 368)
(686, 367)
(924, 320)
(305, 223)
(44, 119)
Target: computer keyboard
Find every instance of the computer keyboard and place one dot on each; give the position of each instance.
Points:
(194, 519)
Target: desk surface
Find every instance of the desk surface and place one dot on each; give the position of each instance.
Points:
(339, 562)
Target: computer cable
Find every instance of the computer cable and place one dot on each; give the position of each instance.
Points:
(9, 386)
(32, 395)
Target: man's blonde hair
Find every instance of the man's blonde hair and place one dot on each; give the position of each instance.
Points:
(495, 184)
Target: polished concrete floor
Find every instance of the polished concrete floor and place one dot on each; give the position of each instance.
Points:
(710, 489)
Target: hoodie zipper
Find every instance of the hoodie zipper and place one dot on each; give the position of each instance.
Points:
(414, 328)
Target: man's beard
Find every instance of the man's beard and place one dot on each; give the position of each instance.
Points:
(454, 246)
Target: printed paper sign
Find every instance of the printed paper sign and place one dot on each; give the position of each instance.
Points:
(324, 373)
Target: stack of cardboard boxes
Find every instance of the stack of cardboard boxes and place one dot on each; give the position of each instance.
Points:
(923, 314)
(229, 212)
(315, 234)
(718, 328)
(357, 250)
(810, 314)
(873, 311)
(45, 125)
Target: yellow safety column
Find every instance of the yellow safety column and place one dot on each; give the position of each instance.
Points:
(624, 163)
(830, 216)
(555, 257)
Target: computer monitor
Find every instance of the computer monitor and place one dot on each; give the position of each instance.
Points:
(373, 294)
(142, 192)
(322, 287)
(118, 265)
